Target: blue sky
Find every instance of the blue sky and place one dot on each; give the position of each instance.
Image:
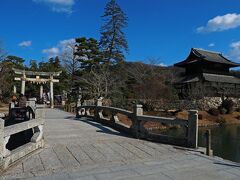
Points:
(161, 29)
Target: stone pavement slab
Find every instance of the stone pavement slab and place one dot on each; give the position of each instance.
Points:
(84, 149)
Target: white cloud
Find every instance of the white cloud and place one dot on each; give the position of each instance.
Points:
(51, 52)
(59, 48)
(64, 43)
(211, 45)
(235, 50)
(221, 23)
(163, 65)
(58, 5)
(25, 44)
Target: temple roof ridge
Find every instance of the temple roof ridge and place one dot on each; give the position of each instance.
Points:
(200, 49)
(197, 55)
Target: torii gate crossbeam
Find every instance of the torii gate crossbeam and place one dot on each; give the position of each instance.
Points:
(37, 80)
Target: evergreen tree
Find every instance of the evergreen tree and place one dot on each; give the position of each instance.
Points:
(113, 41)
(33, 65)
(87, 52)
(7, 75)
(15, 61)
(53, 65)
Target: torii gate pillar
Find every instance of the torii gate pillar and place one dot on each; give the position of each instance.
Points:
(41, 91)
(23, 84)
(14, 89)
(38, 80)
(51, 92)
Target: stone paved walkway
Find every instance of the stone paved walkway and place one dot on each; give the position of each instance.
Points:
(83, 149)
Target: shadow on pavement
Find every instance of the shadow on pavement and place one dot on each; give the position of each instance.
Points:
(102, 128)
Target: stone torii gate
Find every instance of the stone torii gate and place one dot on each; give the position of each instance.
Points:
(37, 80)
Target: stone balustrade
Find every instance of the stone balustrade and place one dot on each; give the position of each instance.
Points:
(70, 108)
(7, 157)
(137, 129)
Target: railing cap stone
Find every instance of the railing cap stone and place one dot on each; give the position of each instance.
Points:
(193, 111)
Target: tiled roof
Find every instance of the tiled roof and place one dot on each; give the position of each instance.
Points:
(211, 78)
(188, 79)
(221, 78)
(209, 56)
(213, 56)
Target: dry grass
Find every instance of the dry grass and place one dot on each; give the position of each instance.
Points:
(205, 119)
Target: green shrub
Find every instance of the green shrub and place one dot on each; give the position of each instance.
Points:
(228, 104)
(223, 110)
(221, 120)
(214, 111)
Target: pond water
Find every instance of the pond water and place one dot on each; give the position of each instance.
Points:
(225, 141)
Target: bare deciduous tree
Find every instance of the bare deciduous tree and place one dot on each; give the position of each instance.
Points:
(70, 60)
(2, 52)
(100, 81)
(150, 81)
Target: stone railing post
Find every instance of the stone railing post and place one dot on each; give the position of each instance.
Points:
(209, 150)
(98, 112)
(137, 111)
(78, 111)
(87, 112)
(193, 128)
(99, 102)
(114, 118)
(2, 144)
(38, 133)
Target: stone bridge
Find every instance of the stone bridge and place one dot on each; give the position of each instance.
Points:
(84, 149)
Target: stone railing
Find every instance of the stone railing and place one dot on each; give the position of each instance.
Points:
(70, 108)
(138, 120)
(30, 109)
(7, 157)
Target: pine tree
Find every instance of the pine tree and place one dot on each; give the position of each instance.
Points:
(33, 65)
(113, 41)
(87, 52)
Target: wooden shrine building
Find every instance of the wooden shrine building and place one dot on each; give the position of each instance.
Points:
(207, 74)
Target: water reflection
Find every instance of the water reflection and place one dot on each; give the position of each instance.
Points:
(225, 141)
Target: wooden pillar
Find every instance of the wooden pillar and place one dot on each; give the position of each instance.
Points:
(51, 92)
(23, 84)
(41, 91)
